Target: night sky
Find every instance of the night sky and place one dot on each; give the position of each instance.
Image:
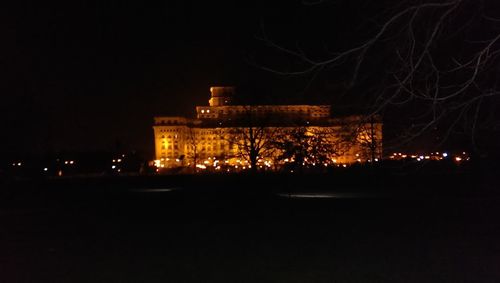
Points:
(87, 75)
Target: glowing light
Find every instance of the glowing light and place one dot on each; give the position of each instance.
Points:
(334, 160)
(65, 162)
(359, 160)
(208, 110)
(157, 163)
(71, 162)
(445, 154)
(119, 160)
(114, 160)
(177, 160)
(202, 111)
(376, 159)
(19, 164)
(458, 159)
(344, 165)
(45, 169)
(427, 157)
(113, 167)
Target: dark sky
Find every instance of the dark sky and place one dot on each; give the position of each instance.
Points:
(83, 75)
(80, 75)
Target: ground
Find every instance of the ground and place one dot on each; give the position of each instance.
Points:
(124, 235)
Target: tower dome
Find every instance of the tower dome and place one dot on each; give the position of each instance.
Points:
(221, 95)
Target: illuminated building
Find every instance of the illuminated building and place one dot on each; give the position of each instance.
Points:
(209, 140)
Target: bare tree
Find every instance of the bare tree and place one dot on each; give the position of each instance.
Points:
(367, 134)
(193, 144)
(252, 136)
(440, 64)
(305, 146)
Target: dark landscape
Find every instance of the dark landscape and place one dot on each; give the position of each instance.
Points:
(377, 227)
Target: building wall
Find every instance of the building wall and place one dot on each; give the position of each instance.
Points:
(213, 135)
(187, 144)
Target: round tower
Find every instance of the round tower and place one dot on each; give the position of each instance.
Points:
(221, 95)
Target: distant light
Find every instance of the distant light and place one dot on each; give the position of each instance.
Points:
(458, 159)
(344, 165)
(359, 160)
(418, 159)
(202, 111)
(357, 155)
(208, 111)
(19, 164)
(445, 154)
(427, 157)
(119, 160)
(421, 157)
(376, 159)
(45, 169)
(113, 167)
(65, 162)
(114, 160)
(119, 170)
(71, 162)
(177, 160)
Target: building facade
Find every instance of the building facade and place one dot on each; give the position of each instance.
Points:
(228, 137)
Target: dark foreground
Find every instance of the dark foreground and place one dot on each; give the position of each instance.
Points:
(142, 234)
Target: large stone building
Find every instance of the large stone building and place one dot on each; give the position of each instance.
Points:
(224, 136)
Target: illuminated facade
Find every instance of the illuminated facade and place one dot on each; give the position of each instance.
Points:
(225, 136)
